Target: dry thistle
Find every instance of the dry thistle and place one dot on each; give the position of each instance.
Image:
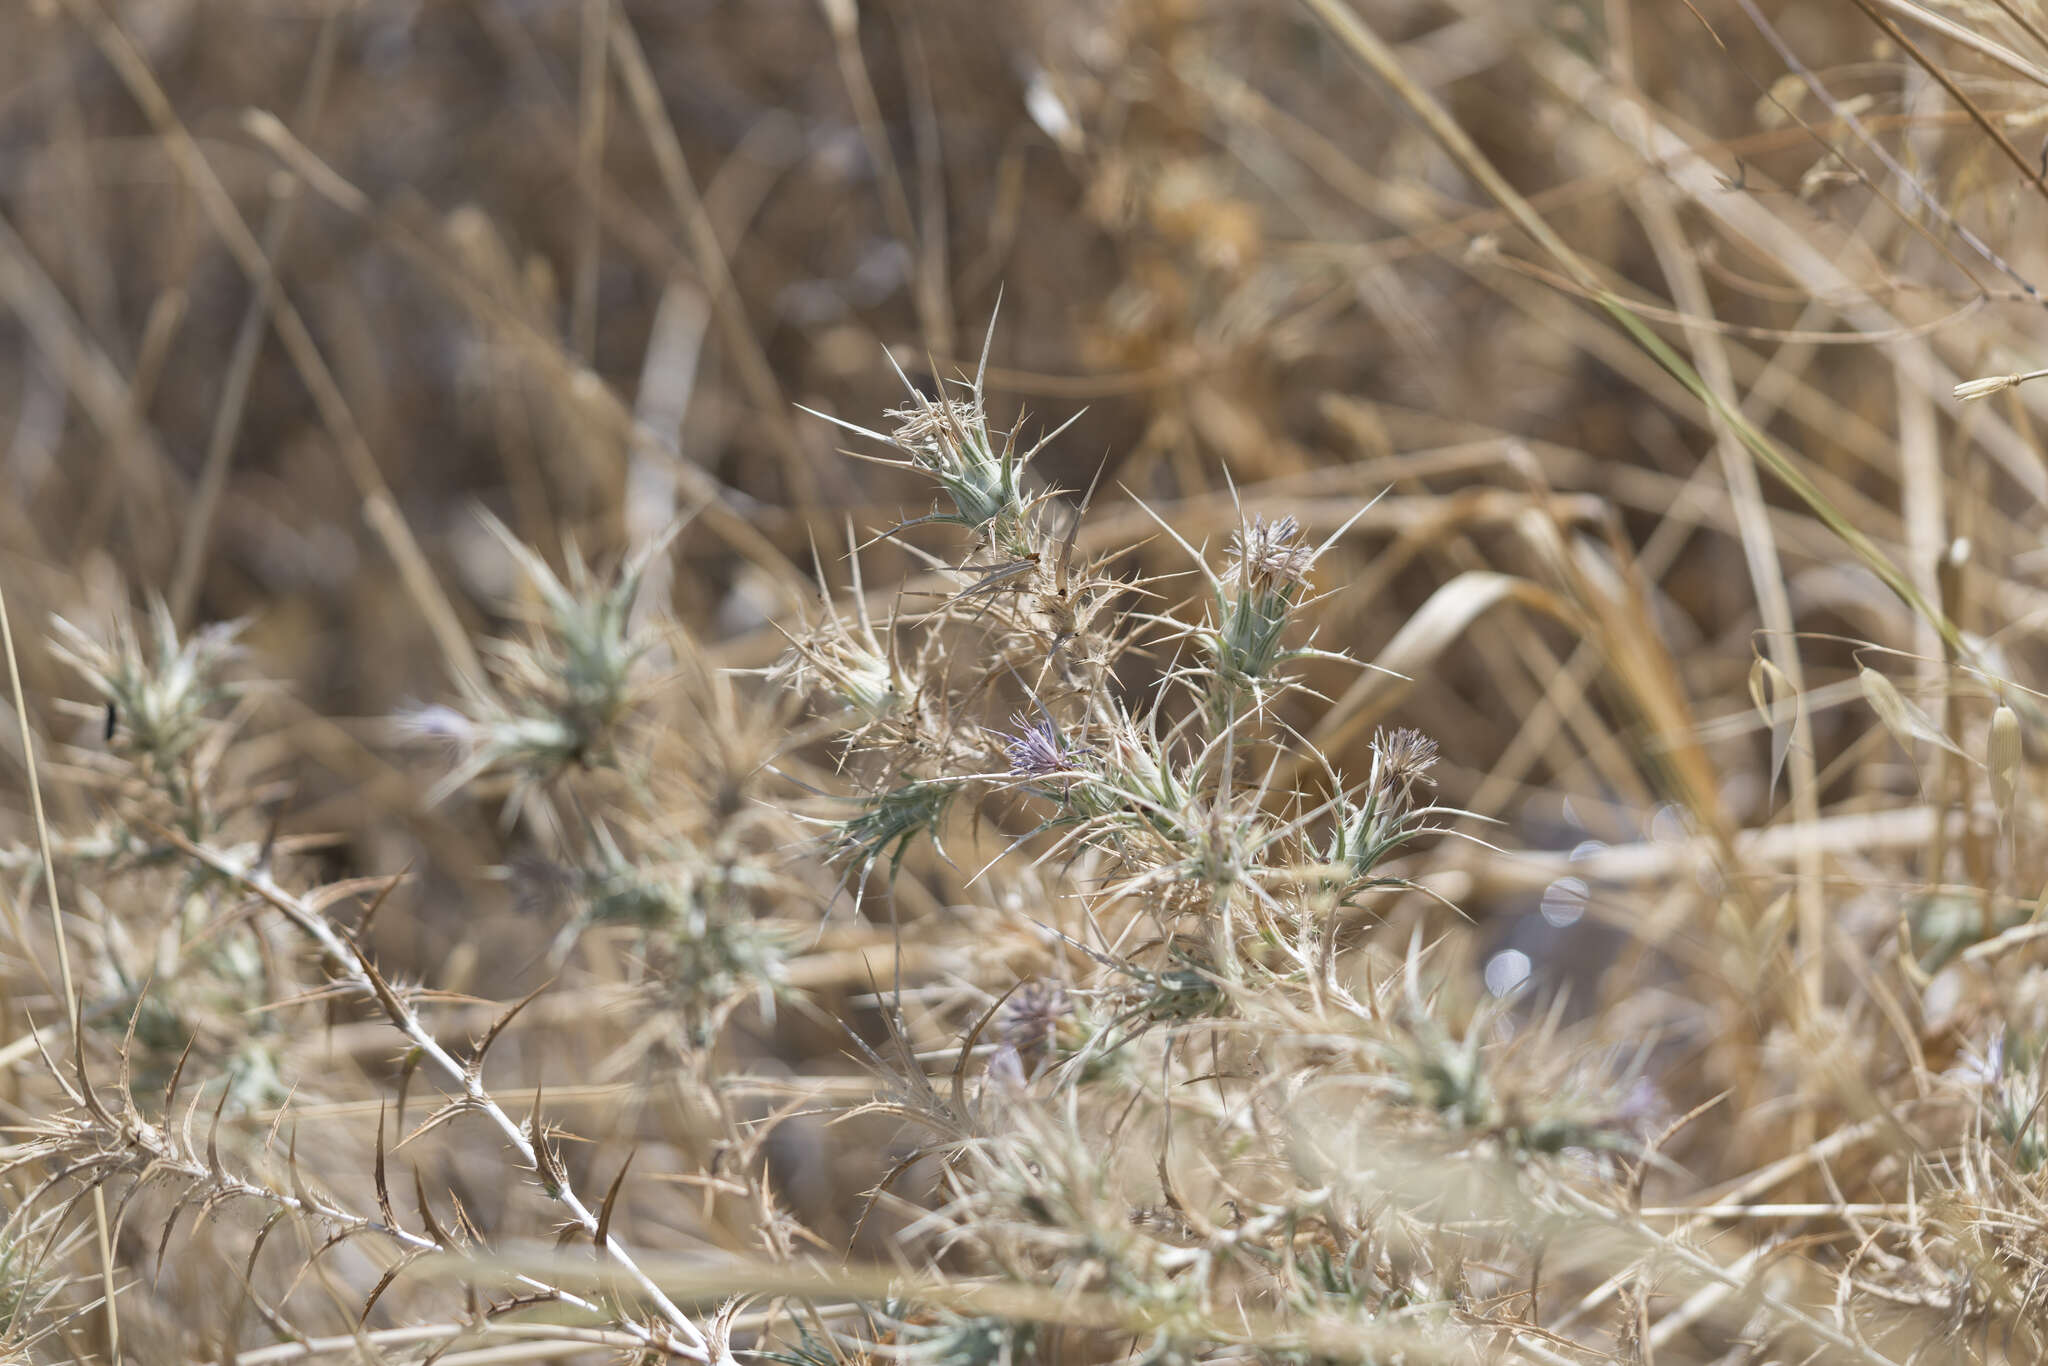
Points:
(158, 696)
(698, 929)
(1252, 604)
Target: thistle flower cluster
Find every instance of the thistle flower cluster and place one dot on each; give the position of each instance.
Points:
(1174, 1064)
(1199, 902)
(1264, 583)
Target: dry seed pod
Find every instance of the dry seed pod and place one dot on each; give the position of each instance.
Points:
(1778, 703)
(1903, 718)
(2003, 758)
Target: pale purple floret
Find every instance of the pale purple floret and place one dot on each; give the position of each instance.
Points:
(1039, 751)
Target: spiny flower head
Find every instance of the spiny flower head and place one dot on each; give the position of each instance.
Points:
(935, 429)
(1269, 556)
(1038, 750)
(1030, 1021)
(579, 664)
(562, 692)
(1385, 816)
(160, 689)
(1257, 596)
(848, 662)
(1402, 759)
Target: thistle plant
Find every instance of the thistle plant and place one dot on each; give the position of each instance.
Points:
(694, 913)
(845, 660)
(1369, 829)
(1171, 1067)
(159, 699)
(889, 822)
(558, 696)
(563, 700)
(1202, 891)
(1254, 600)
(980, 473)
(176, 978)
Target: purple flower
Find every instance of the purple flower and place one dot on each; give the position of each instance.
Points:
(1039, 751)
(1029, 1022)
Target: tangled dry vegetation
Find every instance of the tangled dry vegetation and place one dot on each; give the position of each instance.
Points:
(1467, 789)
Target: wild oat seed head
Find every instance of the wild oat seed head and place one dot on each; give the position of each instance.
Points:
(1972, 389)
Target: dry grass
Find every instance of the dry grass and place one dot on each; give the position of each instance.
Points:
(1460, 788)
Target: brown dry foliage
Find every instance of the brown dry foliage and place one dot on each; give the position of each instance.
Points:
(639, 881)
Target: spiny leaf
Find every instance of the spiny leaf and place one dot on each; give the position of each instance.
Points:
(543, 1158)
(124, 1078)
(362, 930)
(270, 1222)
(214, 1201)
(383, 1284)
(386, 997)
(213, 1137)
(231, 1328)
(291, 1166)
(333, 893)
(441, 1116)
(476, 1060)
(604, 1213)
(465, 1228)
(433, 1226)
(413, 1057)
(149, 1173)
(86, 1093)
(334, 1240)
(378, 1175)
(163, 1241)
